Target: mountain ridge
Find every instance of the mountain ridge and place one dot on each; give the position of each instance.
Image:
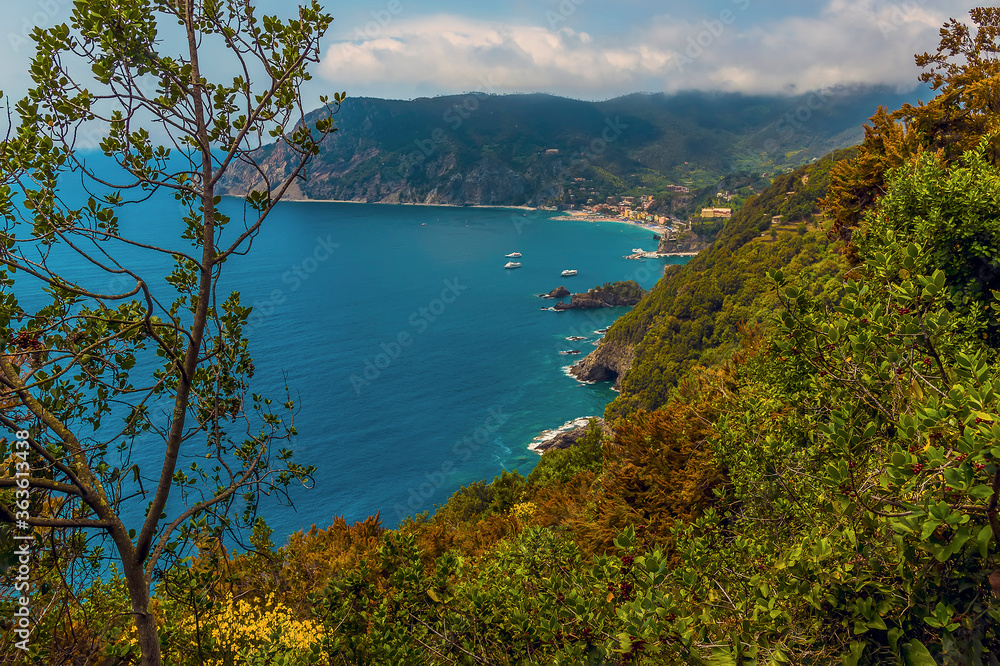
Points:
(539, 149)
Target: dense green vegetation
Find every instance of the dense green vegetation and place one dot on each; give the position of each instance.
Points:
(544, 150)
(803, 466)
(617, 291)
(688, 205)
(608, 295)
(694, 315)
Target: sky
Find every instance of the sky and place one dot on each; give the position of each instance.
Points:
(586, 49)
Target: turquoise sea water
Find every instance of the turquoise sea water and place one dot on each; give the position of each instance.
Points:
(417, 362)
(420, 363)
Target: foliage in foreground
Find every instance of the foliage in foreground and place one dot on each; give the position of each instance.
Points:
(131, 386)
(828, 494)
(695, 313)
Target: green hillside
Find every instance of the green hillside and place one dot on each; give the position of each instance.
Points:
(532, 149)
(695, 313)
(803, 466)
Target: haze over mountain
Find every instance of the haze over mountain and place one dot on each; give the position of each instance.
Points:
(532, 149)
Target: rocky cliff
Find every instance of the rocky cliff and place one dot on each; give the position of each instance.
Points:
(607, 363)
(540, 150)
(558, 292)
(681, 246)
(567, 436)
(610, 295)
(697, 309)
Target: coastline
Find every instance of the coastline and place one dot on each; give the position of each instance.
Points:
(558, 215)
(541, 442)
(555, 215)
(591, 217)
(397, 203)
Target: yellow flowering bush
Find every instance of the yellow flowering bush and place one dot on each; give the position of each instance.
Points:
(261, 629)
(524, 510)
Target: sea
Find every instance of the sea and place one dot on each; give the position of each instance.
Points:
(416, 362)
(420, 364)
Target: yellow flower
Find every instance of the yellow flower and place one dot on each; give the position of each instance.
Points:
(263, 626)
(524, 510)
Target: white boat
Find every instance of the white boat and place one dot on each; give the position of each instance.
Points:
(512, 264)
(513, 254)
(568, 273)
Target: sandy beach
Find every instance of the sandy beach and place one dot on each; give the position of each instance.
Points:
(405, 203)
(592, 217)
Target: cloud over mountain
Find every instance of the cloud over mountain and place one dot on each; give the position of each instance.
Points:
(732, 47)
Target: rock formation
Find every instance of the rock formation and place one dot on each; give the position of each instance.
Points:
(607, 363)
(564, 437)
(610, 295)
(558, 292)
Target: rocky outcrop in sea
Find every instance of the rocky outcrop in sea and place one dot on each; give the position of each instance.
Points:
(558, 292)
(565, 436)
(611, 295)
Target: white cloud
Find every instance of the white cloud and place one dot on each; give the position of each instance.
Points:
(457, 54)
(848, 41)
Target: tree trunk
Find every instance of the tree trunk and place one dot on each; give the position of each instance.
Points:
(145, 621)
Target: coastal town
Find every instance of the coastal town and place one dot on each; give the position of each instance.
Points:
(677, 237)
(637, 209)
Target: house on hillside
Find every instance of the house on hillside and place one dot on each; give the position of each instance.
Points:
(710, 213)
